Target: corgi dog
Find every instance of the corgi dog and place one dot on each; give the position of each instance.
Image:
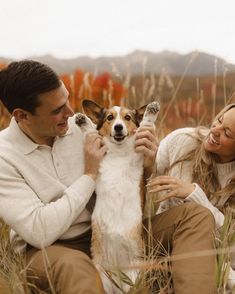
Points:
(117, 245)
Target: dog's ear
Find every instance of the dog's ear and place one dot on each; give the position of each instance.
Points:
(93, 110)
(139, 113)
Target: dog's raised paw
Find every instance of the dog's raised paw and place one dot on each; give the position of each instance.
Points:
(150, 114)
(80, 119)
(153, 107)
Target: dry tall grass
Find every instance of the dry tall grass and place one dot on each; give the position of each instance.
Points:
(13, 269)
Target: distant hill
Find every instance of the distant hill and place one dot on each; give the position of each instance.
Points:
(137, 61)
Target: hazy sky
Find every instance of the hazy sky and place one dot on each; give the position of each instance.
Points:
(71, 28)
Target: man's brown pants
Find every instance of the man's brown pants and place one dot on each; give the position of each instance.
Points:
(188, 230)
(4, 287)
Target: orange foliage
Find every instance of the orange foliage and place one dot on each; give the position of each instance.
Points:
(83, 85)
(2, 65)
(119, 94)
(101, 89)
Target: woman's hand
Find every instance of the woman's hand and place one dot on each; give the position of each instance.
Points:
(173, 187)
(146, 143)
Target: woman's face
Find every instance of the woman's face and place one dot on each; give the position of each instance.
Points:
(221, 138)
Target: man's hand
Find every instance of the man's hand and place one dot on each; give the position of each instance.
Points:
(173, 187)
(94, 150)
(146, 143)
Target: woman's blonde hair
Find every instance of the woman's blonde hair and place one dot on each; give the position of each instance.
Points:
(204, 168)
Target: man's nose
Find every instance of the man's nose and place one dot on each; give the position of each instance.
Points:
(68, 111)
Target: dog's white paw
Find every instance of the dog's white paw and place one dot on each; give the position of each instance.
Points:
(84, 122)
(80, 119)
(153, 108)
(150, 114)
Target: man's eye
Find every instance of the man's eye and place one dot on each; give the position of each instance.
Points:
(127, 117)
(110, 117)
(56, 111)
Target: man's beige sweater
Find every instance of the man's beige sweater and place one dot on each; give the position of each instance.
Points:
(43, 191)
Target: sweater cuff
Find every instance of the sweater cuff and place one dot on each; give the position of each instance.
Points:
(198, 196)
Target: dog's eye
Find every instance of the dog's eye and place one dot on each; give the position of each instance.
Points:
(110, 117)
(127, 117)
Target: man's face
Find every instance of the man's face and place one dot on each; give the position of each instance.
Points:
(51, 116)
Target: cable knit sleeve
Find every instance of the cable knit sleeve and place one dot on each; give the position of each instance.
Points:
(200, 197)
(162, 158)
(171, 148)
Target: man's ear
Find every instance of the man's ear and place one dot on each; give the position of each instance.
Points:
(20, 114)
(139, 113)
(93, 110)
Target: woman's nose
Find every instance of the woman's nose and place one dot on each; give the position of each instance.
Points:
(215, 130)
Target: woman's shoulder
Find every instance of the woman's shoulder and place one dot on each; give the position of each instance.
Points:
(179, 141)
(179, 134)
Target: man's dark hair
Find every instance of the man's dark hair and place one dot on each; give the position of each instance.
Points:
(22, 82)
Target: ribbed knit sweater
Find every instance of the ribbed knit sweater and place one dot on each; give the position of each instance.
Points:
(172, 148)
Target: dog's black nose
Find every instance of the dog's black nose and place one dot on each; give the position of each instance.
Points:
(118, 128)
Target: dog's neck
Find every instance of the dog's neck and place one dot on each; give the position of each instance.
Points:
(127, 148)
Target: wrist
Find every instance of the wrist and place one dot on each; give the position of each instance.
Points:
(149, 168)
(192, 188)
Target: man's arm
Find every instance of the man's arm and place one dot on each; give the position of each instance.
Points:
(38, 223)
(38, 207)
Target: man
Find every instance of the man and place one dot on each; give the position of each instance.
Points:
(47, 178)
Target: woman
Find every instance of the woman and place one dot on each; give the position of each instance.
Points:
(198, 165)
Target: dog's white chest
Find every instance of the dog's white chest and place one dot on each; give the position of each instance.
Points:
(118, 192)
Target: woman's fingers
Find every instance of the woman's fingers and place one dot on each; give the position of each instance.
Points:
(173, 187)
(161, 180)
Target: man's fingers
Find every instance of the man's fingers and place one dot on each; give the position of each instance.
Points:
(91, 137)
(94, 140)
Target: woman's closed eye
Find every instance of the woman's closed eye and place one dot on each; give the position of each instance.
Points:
(220, 120)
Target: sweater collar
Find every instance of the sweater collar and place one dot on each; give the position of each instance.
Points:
(23, 142)
(226, 168)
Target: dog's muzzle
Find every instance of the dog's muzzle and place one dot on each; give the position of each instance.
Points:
(118, 133)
